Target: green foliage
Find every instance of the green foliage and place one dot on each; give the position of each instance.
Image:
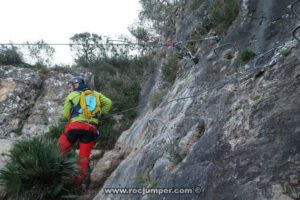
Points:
(37, 170)
(142, 179)
(118, 75)
(156, 98)
(119, 78)
(147, 180)
(195, 37)
(40, 54)
(170, 68)
(159, 15)
(144, 35)
(90, 49)
(56, 131)
(152, 183)
(108, 135)
(285, 52)
(124, 95)
(87, 48)
(201, 128)
(173, 151)
(10, 55)
(140, 33)
(246, 55)
(195, 4)
(156, 11)
(18, 131)
(224, 12)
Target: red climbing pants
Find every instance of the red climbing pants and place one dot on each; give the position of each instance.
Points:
(84, 133)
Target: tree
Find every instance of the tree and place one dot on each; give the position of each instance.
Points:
(40, 53)
(90, 49)
(86, 48)
(158, 12)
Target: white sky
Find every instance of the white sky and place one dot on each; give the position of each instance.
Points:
(55, 21)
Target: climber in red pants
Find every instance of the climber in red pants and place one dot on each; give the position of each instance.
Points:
(81, 108)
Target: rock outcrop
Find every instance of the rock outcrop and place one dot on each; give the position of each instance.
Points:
(31, 101)
(19, 89)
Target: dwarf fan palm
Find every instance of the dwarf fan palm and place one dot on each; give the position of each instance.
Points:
(37, 170)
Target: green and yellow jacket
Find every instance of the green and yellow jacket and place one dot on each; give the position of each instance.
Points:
(73, 99)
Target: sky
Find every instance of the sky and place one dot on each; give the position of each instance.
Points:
(55, 21)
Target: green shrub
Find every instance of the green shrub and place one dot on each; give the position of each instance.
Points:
(195, 4)
(156, 98)
(123, 88)
(18, 130)
(173, 151)
(223, 14)
(10, 56)
(147, 181)
(246, 55)
(195, 37)
(285, 52)
(108, 135)
(169, 69)
(116, 83)
(37, 170)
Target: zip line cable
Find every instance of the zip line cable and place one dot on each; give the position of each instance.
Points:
(121, 42)
(67, 44)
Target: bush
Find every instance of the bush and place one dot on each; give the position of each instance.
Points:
(223, 13)
(147, 181)
(169, 69)
(38, 171)
(285, 52)
(119, 78)
(157, 98)
(246, 55)
(173, 151)
(10, 56)
(195, 37)
(195, 4)
(108, 135)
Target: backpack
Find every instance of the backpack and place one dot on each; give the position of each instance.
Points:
(88, 105)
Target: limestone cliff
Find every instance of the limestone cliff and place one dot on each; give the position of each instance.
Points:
(226, 128)
(31, 101)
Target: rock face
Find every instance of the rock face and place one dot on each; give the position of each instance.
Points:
(5, 146)
(19, 89)
(225, 130)
(32, 101)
